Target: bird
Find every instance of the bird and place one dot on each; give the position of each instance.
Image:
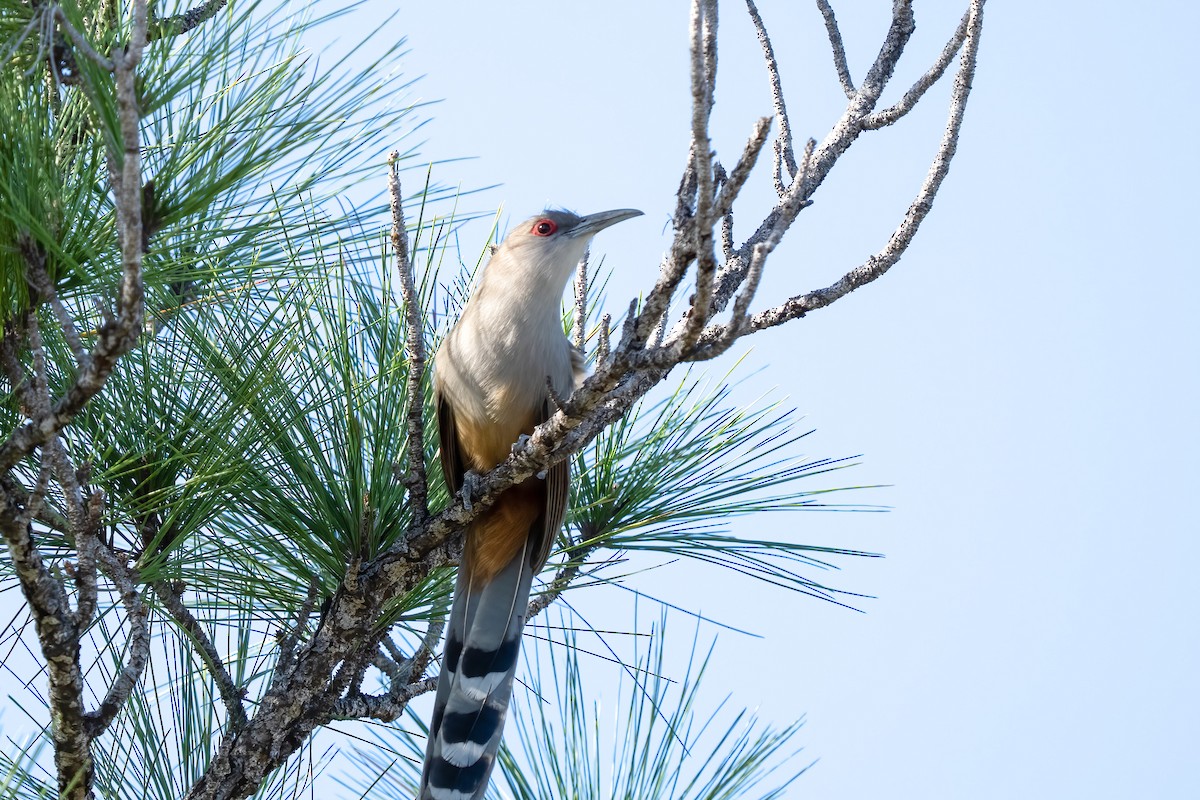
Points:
(493, 378)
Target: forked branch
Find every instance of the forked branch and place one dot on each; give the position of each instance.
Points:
(319, 676)
(59, 627)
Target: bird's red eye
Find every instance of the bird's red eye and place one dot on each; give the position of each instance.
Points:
(543, 227)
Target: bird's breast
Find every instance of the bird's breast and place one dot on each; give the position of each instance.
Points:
(494, 373)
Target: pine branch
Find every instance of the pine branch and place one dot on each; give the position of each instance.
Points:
(319, 675)
(59, 627)
(183, 23)
(415, 478)
(231, 694)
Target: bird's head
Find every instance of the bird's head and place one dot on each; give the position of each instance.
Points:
(553, 242)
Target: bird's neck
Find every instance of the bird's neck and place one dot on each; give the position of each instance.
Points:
(525, 292)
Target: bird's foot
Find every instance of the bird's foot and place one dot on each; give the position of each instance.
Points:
(470, 484)
(519, 443)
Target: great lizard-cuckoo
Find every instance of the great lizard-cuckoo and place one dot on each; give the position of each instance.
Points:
(491, 377)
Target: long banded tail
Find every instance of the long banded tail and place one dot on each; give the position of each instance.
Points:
(483, 640)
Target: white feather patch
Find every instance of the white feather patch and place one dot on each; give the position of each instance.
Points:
(479, 689)
(438, 793)
(462, 754)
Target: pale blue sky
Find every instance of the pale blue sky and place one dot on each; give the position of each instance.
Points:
(1025, 379)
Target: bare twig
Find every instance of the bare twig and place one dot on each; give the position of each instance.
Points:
(414, 667)
(231, 694)
(741, 306)
(732, 272)
(385, 664)
(565, 575)
(877, 77)
(59, 627)
(727, 251)
(415, 477)
(732, 187)
(119, 333)
(35, 499)
(388, 646)
(806, 161)
(56, 462)
(633, 320)
(70, 332)
(656, 335)
(393, 649)
(384, 707)
(553, 395)
(839, 49)
(88, 545)
(704, 67)
(138, 646)
(129, 190)
(54, 454)
(182, 23)
(784, 156)
(59, 640)
(10, 487)
(602, 339)
(38, 396)
(736, 268)
(710, 51)
(579, 322)
(291, 637)
(906, 103)
(881, 262)
(844, 132)
(638, 327)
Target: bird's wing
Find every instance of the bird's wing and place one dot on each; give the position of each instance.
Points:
(558, 490)
(452, 464)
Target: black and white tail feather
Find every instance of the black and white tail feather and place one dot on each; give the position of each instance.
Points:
(483, 640)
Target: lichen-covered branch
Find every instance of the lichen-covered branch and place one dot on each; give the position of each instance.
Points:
(231, 694)
(137, 650)
(785, 156)
(321, 679)
(414, 666)
(182, 23)
(704, 76)
(875, 266)
(836, 44)
(58, 636)
(289, 639)
(120, 332)
(579, 319)
(564, 577)
(385, 707)
(892, 113)
(415, 477)
(59, 627)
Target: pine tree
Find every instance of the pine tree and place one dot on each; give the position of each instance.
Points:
(217, 499)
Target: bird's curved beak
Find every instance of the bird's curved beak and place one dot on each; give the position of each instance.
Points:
(594, 223)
